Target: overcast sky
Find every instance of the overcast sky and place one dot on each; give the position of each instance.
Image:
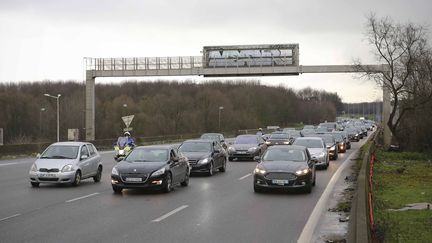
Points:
(47, 39)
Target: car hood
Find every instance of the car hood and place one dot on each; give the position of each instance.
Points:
(279, 166)
(244, 146)
(314, 151)
(196, 155)
(53, 163)
(138, 167)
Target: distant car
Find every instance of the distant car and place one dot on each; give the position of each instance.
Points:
(344, 135)
(204, 155)
(331, 144)
(339, 141)
(278, 138)
(353, 134)
(151, 167)
(321, 130)
(331, 126)
(219, 137)
(317, 149)
(66, 163)
(246, 147)
(306, 131)
(288, 129)
(283, 167)
(309, 127)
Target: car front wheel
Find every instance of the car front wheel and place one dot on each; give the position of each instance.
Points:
(34, 184)
(168, 183)
(185, 181)
(77, 179)
(98, 176)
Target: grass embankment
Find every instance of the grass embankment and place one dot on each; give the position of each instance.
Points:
(402, 178)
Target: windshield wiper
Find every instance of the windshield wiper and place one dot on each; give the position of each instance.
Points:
(140, 160)
(59, 157)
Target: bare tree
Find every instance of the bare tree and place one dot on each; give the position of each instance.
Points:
(404, 48)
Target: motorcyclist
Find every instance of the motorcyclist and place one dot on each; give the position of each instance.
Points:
(260, 132)
(130, 140)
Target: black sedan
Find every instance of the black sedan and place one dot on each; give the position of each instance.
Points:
(246, 147)
(278, 139)
(151, 167)
(204, 155)
(284, 167)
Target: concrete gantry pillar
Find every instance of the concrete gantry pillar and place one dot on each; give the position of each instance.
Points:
(386, 116)
(90, 106)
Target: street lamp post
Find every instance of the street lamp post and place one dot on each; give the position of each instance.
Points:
(220, 109)
(58, 113)
(40, 121)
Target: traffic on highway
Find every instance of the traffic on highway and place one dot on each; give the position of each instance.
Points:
(261, 188)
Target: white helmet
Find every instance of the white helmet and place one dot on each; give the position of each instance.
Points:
(127, 134)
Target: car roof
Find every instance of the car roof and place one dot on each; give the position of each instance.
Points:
(199, 141)
(309, 138)
(155, 147)
(248, 135)
(212, 133)
(295, 147)
(70, 143)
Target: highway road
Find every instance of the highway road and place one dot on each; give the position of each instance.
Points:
(221, 208)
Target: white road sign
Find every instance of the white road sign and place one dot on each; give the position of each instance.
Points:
(128, 119)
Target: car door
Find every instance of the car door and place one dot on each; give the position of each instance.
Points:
(175, 166)
(84, 161)
(218, 155)
(93, 159)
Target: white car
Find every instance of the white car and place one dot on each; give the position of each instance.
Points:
(66, 163)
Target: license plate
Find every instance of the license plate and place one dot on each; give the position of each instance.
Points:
(133, 179)
(47, 175)
(241, 152)
(280, 182)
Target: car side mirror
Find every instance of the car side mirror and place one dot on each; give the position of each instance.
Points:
(84, 156)
(257, 159)
(38, 155)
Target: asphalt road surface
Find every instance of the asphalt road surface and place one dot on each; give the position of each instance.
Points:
(221, 208)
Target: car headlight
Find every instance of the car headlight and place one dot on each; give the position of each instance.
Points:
(203, 161)
(231, 149)
(253, 149)
(114, 171)
(34, 167)
(302, 172)
(286, 142)
(159, 172)
(260, 170)
(121, 152)
(267, 142)
(333, 148)
(67, 168)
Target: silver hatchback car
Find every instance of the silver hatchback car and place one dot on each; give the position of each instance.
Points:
(66, 163)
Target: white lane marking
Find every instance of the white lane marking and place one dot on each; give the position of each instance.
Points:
(12, 216)
(170, 213)
(78, 198)
(10, 164)
(241, 178)
(308, 230)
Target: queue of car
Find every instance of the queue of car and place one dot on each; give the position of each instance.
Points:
(288, 158)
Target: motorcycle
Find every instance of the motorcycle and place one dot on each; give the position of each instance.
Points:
(122, 149)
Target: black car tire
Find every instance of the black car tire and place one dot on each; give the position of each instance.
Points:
(230, 158)
(185, 181)
(77, 179)
(34, 184)
(314, 180)
(211, 169)
(258, 189)
(98, 176)
(308, 187)
(117, 190)
(223, 167)
(167, 185)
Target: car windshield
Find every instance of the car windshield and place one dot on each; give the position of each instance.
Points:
(338, 137)
(246, 140)
(195, 147)
(328, 139)
(279, 136)
(60, 152)
(309, 143)
(148, 155)
(281, 154)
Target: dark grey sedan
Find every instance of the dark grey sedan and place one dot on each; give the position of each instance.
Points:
(283, 167)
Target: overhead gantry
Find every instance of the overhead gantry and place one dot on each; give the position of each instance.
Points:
(216, 61)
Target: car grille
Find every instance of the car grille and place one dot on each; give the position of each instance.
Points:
(48, 170)
(280, 175)
(48, 179)
(133, 175)
(193, 162)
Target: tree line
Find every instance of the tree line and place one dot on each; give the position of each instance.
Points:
(160, 108)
